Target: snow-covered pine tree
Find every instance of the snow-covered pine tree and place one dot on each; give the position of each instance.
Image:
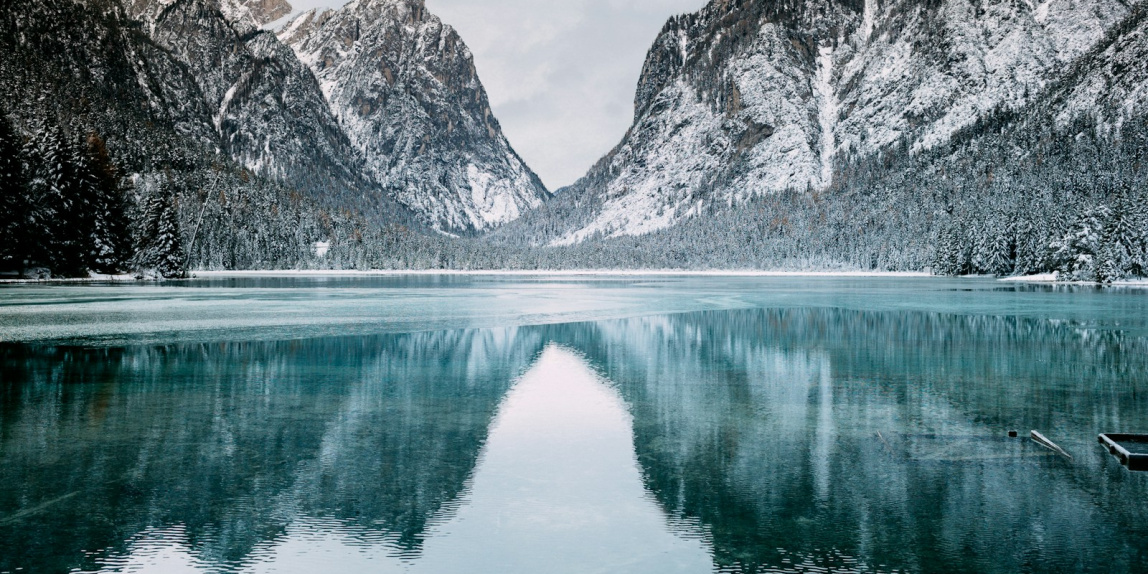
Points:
(111, 228)
(993, 247)
(58, 195)
(1031, 249)
(36, 226)
(1140, 222)
(952, 254)
(160, 245)
(1078, 252)
(13, 199)
(1121, 240)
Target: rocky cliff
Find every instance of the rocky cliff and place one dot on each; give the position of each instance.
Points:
(746, 98)
(403, 87)
(265, 108)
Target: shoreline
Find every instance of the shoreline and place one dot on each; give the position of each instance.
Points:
(1042, 279)
(1052, 279)
(557, 273)
(305, 273)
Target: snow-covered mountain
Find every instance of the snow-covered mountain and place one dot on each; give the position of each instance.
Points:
(1109, 86)
(404, 89)
(745, 97)
(265, 108)
(375, 108)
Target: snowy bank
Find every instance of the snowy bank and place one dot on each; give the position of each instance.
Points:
(560, 273)
(93, 278)
(1053, 278)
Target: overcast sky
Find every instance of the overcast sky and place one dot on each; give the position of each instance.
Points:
(560, 74)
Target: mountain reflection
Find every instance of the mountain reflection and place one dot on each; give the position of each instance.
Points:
(233, 441)
(763, 426)
(790, 440)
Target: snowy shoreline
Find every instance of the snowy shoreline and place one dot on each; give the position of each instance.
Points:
(1053, 279)
(95, 278)
(558, 273)
(1044, 279)
(474, 273)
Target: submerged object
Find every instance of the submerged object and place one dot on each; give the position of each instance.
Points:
(1043, 441)
(1119, 445)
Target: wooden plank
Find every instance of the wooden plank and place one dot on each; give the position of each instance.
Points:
(1043, 441)
(1133, 460)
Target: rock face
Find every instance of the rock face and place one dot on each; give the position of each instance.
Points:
(747, 97)
(265, 11)
(404, 89)
(265, 107)
(1110, 84)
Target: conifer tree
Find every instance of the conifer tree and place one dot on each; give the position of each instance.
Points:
(111, 242)
(1140, 222)
(58, 192)
(40, 209)
(13, 200)
(159, 245)
(1078, 253)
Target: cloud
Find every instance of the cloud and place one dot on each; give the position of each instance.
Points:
(560, 75)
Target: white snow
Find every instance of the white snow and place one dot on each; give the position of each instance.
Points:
(559, 273)
(386, 117)
(1039, 278)
(222, 113)
(828, 108)
(864, 93)
(1041, 12)
(91, 278)
(868, 19)
(1054, 278)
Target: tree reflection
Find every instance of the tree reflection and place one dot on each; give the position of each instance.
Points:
(788, 439)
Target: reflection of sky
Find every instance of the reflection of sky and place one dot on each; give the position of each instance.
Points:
(558, 489)
(784, 435)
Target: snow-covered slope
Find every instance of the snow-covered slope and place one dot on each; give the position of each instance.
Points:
(403, 87)
(746, 97)
(1110, 85)
(266, 108)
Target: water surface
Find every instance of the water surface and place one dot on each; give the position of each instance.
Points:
(466, 424)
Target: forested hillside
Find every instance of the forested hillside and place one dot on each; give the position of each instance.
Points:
(125, 125)
(158, 139)
(1052, 184)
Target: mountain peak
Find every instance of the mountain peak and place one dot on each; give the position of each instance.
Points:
(746, 98)
(404, 88)
(258, 11)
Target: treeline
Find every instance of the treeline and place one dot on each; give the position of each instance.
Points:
(67, 210)
(1013, 194)
(63, 206)
(1003, 198)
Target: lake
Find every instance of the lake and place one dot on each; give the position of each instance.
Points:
(504, 424)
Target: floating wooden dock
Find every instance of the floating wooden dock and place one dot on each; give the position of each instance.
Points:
(1119, 444)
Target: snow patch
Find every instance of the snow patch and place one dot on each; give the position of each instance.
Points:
(559, 273)
(828, 109)
(868, 20)
(222, 113)
(1039, 278)
(1041, 12)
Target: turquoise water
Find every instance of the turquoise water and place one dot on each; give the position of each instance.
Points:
(549, 424)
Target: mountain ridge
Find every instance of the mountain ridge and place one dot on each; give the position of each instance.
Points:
(404, 88)
(740, 99)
